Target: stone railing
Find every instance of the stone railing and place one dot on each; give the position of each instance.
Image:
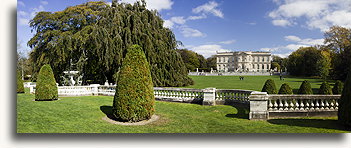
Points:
(75, 90)
(230, 96)
(263, 106)
(179, 94)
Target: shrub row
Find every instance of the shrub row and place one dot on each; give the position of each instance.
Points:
(305, 88)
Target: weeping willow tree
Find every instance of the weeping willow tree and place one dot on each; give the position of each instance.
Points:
(94, 38)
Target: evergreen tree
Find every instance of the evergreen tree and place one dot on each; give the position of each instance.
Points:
(269, 87)
(305, 88)
(338, 86)
(285, 89)
(325, 89)
(344, 112)
(20, 85)
(46, 89)
(134, 99)
(96, 36)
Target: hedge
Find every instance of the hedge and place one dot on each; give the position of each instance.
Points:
(269, 87)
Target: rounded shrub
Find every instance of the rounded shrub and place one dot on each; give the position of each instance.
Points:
(285, 89)
(338, 86)
(20, 85)
(46, 89)
(269, 87)
(305, 88)
(325, 89)
(344, 112)
(134, 99)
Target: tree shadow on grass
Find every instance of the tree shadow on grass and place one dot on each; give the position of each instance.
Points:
(243, 112)
(107, 110)
(316, 123)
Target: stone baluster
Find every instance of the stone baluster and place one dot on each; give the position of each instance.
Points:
(270, 105)
(327, 106)
(332, 105)
(297, 105)
(302, 106)
(336, 104)
(312, 105)
(275, 105)
(286, 105)
(317, 105)
(280, 106)
(291, 105)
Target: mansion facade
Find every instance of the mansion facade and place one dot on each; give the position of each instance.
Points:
(243, 61)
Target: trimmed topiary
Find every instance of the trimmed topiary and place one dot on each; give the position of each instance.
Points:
(269, 87)
(325, 89)
(338, 86)
(344, 112)
(20, 85)
(46, 89)
(305, 88)
(134, 99)
(285, 89)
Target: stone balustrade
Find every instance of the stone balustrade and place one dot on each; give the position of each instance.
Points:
(179, 94)
(302, 105)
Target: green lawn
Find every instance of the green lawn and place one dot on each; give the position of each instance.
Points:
(84, 115)
(251, 82)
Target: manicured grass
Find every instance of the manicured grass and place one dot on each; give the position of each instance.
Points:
(84, 115)
(251, 82)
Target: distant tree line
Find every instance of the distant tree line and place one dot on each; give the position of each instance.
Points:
(194, 60)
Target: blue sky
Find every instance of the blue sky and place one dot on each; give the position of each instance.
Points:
(207, 26)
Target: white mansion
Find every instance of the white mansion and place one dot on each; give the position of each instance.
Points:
(243, 61)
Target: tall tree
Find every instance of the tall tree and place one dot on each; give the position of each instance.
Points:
(338, 40)
(93, 38)
(192, 59)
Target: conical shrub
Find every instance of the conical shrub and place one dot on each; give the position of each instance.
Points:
(285, 89)
(305, 88)
(134, 99)
(338, 86)
(269, 87)
(344, 112)
(20, 85)
(325, 89)
(46, 89)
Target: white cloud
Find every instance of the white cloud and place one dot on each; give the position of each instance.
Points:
(297, 42)
(174, 20)
(252, 23)
(23, 21)
(22, 13)
(190, 32)
(154, 4)
(44, 2)
(178, 20)
(197, 17)
(292, 38)
(281, 22)
(208, 50)
(20, 3)
(168, 24)
(316, 14)
(227, 42)
(209, 8)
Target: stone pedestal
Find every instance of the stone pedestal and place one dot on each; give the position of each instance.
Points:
(258, 106)
(209, 96)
